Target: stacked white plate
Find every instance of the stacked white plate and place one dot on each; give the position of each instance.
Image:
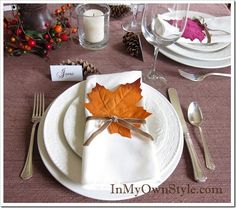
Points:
(212, 56)
(60, 138)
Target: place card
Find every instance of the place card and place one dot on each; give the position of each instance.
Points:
(66, 72)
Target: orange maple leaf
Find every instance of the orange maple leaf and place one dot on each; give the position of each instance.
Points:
(122, 102)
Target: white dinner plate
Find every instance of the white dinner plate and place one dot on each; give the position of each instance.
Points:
(220, 55)
(65, 165)
(74, 123)
(194, 62)
(195, 46)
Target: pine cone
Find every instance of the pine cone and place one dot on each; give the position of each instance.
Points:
(119, 10)
(88, 68)
(131, 42)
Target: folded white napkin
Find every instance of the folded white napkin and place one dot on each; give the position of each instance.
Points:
(214, 23)
(163, 28)
(111, 158)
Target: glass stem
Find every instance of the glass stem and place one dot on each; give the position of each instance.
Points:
(135, 14)
(156, 50)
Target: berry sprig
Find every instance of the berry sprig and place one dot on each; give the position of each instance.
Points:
(19, 41)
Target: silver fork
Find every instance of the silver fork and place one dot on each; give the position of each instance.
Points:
(200, 77)
(38, 111)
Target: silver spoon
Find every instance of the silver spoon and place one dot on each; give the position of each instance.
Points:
(195, 118)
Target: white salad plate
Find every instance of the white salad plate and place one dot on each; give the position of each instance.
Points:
(74, 123)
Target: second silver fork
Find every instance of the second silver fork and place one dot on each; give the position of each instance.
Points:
(200, 77)
(38, 110)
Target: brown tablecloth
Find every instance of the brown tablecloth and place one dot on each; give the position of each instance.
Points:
(28, 74)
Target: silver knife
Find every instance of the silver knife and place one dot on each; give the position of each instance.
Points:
(199, 175)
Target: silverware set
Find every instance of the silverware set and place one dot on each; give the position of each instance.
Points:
(199, 175)
(38, 110)
(195, 118)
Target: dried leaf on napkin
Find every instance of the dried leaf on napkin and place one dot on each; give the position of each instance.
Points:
(122, 102)
(193, 29)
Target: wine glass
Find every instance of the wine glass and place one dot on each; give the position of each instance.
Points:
(135, 24)
(162, 25)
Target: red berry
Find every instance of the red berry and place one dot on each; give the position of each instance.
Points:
(64, 37)
(46, 24)
(63, 8)
(46, 36)
(51, 41)
(48, 46)
(57, 11)
(19, 31)
(31, 42)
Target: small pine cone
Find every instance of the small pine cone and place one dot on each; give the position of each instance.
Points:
(119, 10)
(131, 43)
(88, 69)
(80, 62)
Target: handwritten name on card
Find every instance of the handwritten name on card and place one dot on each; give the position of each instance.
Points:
(66, 72)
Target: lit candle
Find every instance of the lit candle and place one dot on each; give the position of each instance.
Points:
(94, 25)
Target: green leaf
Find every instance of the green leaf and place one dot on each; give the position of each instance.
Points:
(34, 34)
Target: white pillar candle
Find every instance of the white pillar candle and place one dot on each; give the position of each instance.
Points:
(93, 25)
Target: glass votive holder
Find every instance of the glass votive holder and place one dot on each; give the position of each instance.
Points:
(93, 25)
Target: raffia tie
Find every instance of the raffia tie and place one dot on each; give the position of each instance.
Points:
(126, 122)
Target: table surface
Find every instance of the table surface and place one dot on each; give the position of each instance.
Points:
(25, 75)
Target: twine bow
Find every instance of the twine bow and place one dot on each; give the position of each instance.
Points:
(126, 122)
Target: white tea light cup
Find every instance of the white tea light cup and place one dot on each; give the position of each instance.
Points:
(93, 25)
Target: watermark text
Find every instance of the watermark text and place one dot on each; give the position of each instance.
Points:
(170, 189)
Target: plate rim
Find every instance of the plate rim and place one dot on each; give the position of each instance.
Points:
(203, 64)
(186, 51)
